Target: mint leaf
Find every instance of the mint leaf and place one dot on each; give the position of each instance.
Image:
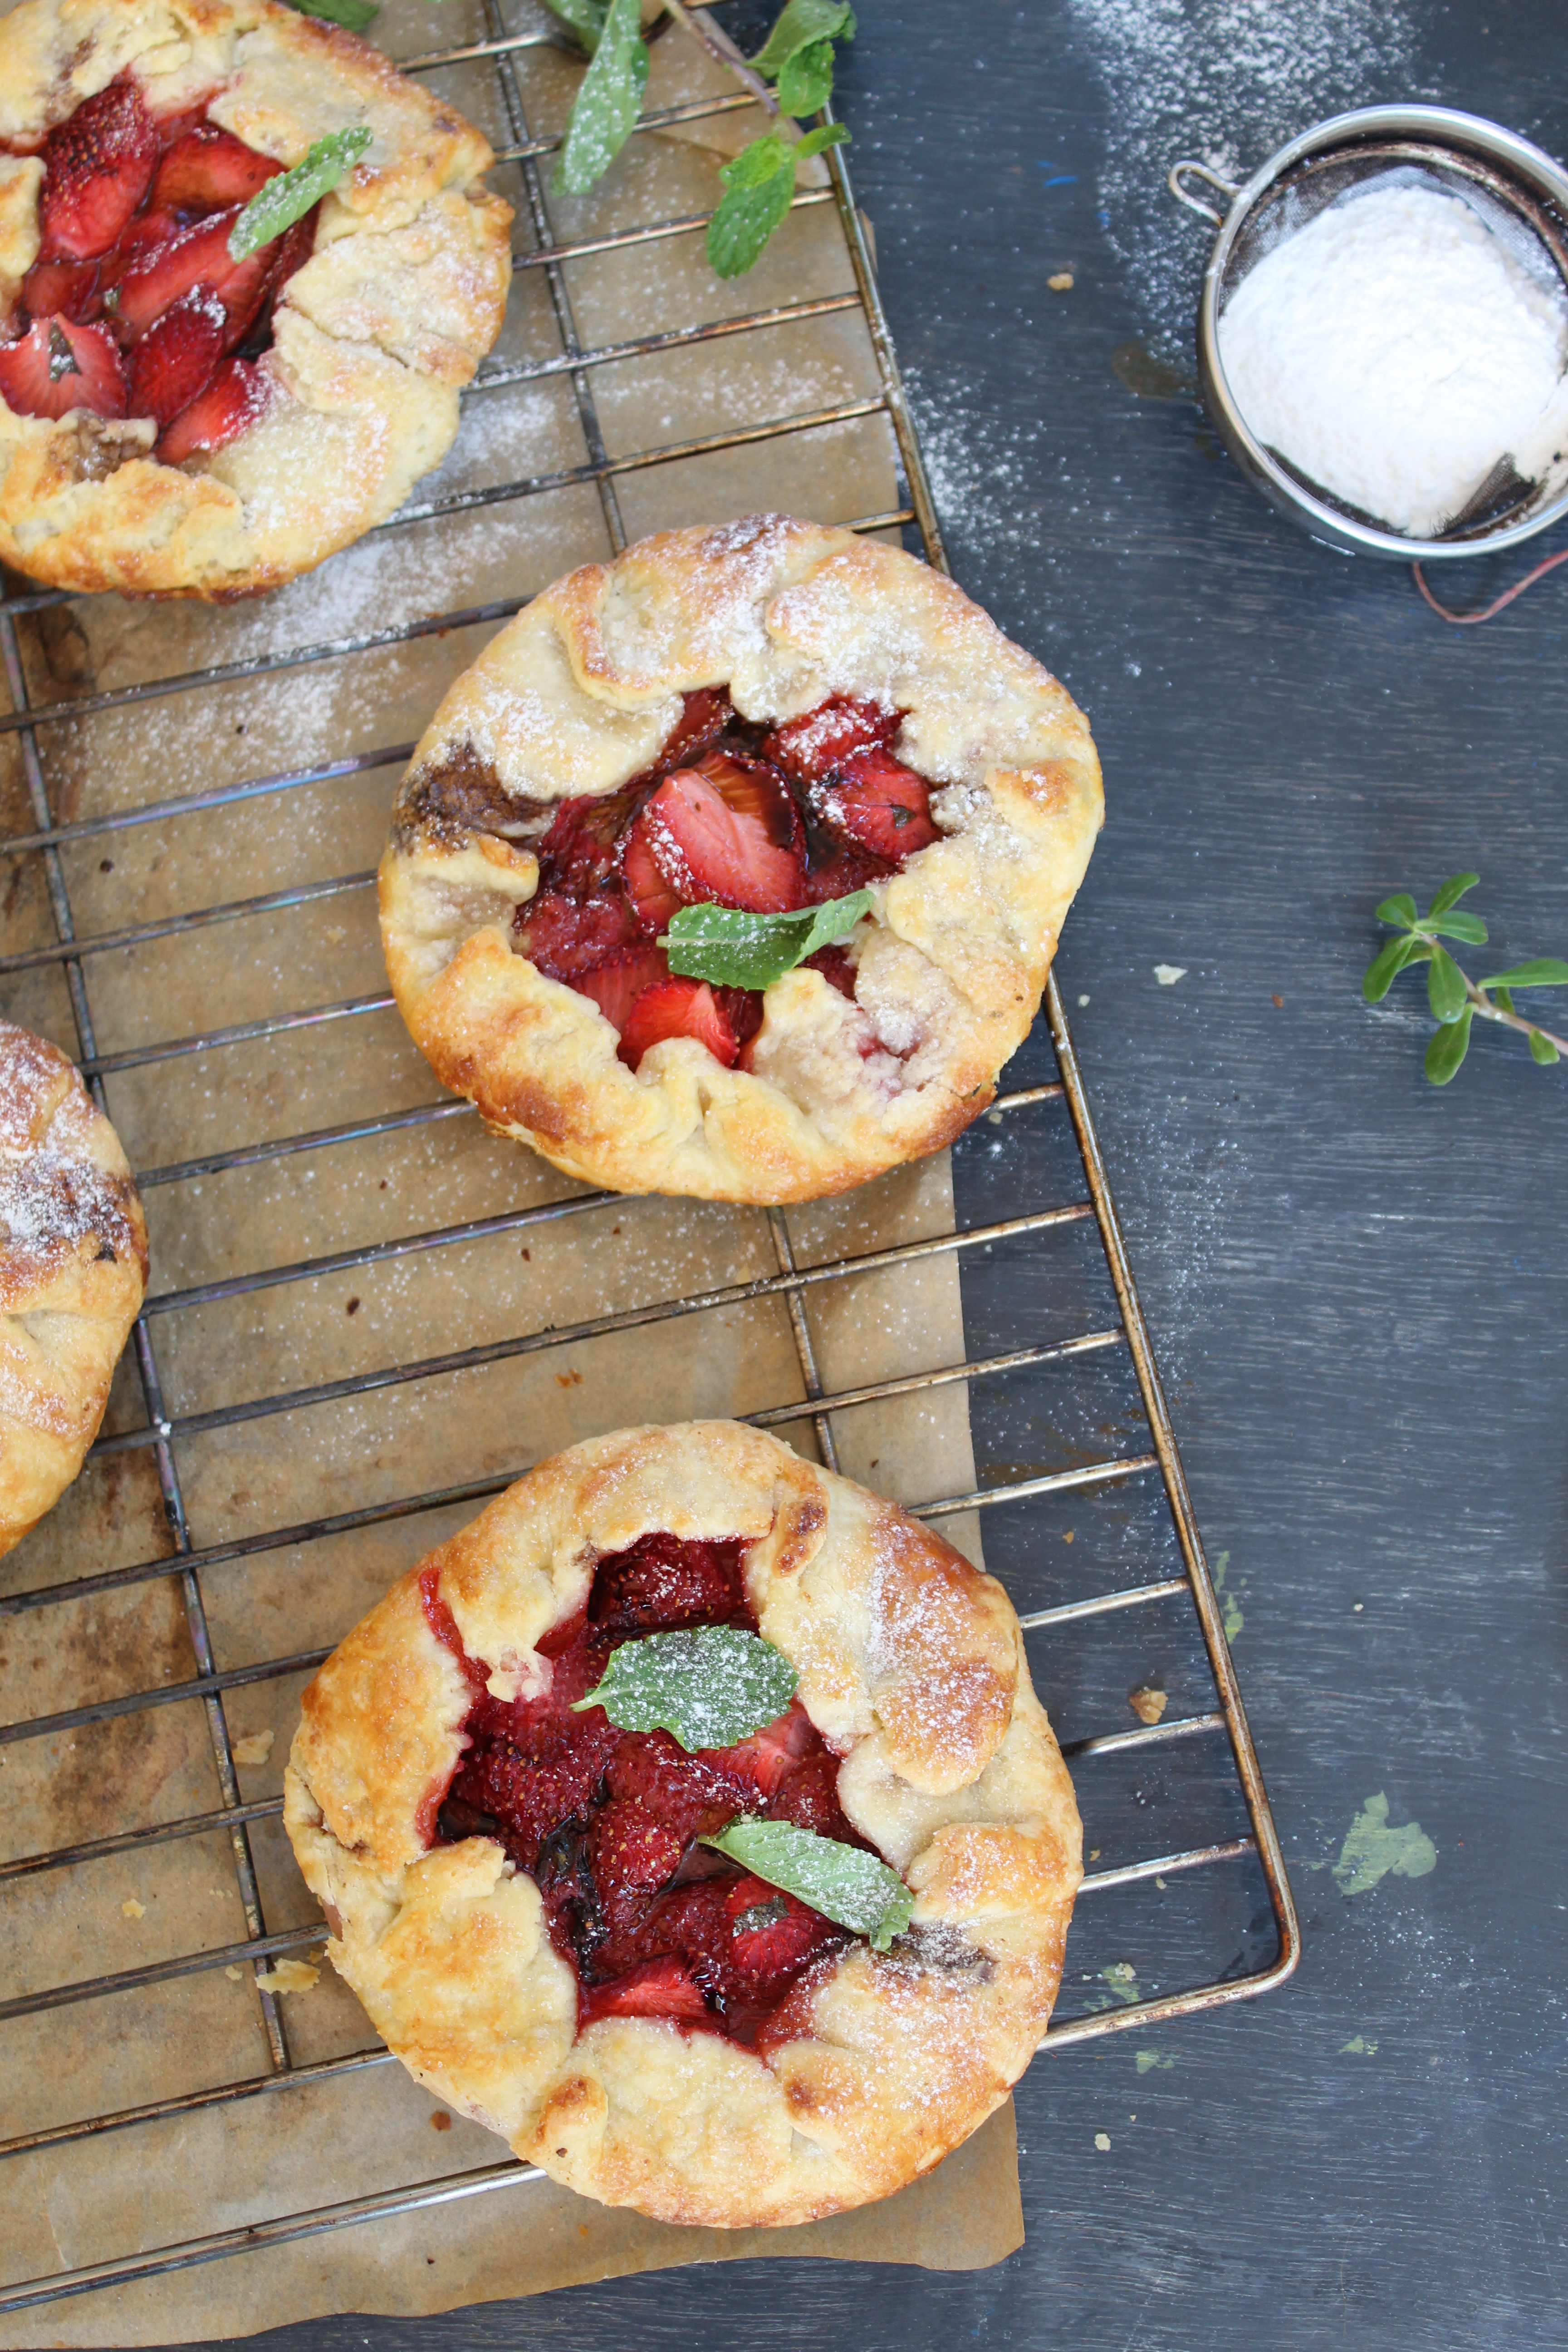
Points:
(802, 23)
(731, 948)
(354, 14)
(1446, 988)
(842, 1882)
(608, 104)
(290, 196)
(1398, 909)
(807, 81)
(1457, 926)
(1385, 968)
(584, 17)
(1542, 971)
(1541, 1049)
(708, 1687)
(759, 184)
(1452, 890)
(1448, 1049)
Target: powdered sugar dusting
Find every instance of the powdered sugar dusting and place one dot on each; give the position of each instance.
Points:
(1227, 81)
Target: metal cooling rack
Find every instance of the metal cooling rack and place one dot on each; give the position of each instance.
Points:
(163, 1434)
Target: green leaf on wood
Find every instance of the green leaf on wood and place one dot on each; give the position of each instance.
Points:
(1457, 926)
(1451, 892)
(1398, 909)
(1448, 1049)
(1445, 987)
(290, 195)
(842, 1882)
(352, 14)
(1385, 968)
(708, 1686)
(731, 948)
(1541, 1048)
(802, 24)
(608, 102)
(1542, 971)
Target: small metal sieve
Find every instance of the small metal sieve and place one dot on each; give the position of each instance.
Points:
(1520, 193)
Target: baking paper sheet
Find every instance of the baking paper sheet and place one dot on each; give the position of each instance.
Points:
(317, 2143)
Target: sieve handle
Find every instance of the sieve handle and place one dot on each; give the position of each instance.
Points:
(1230, 189)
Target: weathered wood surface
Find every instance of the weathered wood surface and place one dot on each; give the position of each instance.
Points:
(1356, 1283)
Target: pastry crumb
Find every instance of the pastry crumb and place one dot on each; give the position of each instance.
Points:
(287, 1976)
(1060, 281)
(1167, 975)
(568, 1379)
(235, 1976)
(1068, 1534)
(1102, 2142)
(254, 1749)
(1147, 1704)
(134, 1910)
(440, 2120)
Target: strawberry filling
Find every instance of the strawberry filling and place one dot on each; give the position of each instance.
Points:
(135, 307)
(733, 815)
(607, 1821)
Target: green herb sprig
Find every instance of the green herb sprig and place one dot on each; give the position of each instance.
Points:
(731, 947)
(1456, 1001)
(759, 183)
(353, 15)
(708, 1686)
(842, 1882)
(290, 196)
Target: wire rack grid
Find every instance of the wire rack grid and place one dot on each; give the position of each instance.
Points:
(162, 1436)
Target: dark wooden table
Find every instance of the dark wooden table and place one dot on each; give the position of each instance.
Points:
(1356, 1283)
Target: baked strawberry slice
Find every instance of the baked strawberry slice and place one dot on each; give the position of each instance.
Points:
(566, 936)
(707, 851)
(196, 256)
(835, 969)
(773, 1935)
(658, 1988)
(177, 358)
(60, 289)
(769, 1754)
(97, 165)
(752, 788)
(58, 366)
(664, 1579)
(880, 804)
(630, 1849)
(582, 846)
(704, 715)
(233, 401)
(615, 985)
(208, 168)
(678, 1008)
(824, 739)
(652, 899)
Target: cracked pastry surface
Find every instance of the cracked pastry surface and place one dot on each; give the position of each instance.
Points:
(73, 1268)
(513, 1887)
(763, 714)
(173, 423)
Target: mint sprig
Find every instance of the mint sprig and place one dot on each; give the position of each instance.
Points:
(731, 948)
(798, 56)
(842, 1882)
(1455, 1000)
(583, 17)
(352, 14)
(708, 1688)
(290, 196)
(759, 185)
(607, 105)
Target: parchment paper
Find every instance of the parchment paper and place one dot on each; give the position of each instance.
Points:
(315, 2144)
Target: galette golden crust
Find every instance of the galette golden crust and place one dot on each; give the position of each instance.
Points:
(401, 298)
(578, 695)
(911, 1666)
(73, 1268)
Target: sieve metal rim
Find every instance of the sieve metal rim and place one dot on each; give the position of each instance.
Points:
(1466, 136)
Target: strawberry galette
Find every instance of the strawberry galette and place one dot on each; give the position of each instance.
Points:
(73, 1266)
(735, 866)
(197, 402)
(690, 1820)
